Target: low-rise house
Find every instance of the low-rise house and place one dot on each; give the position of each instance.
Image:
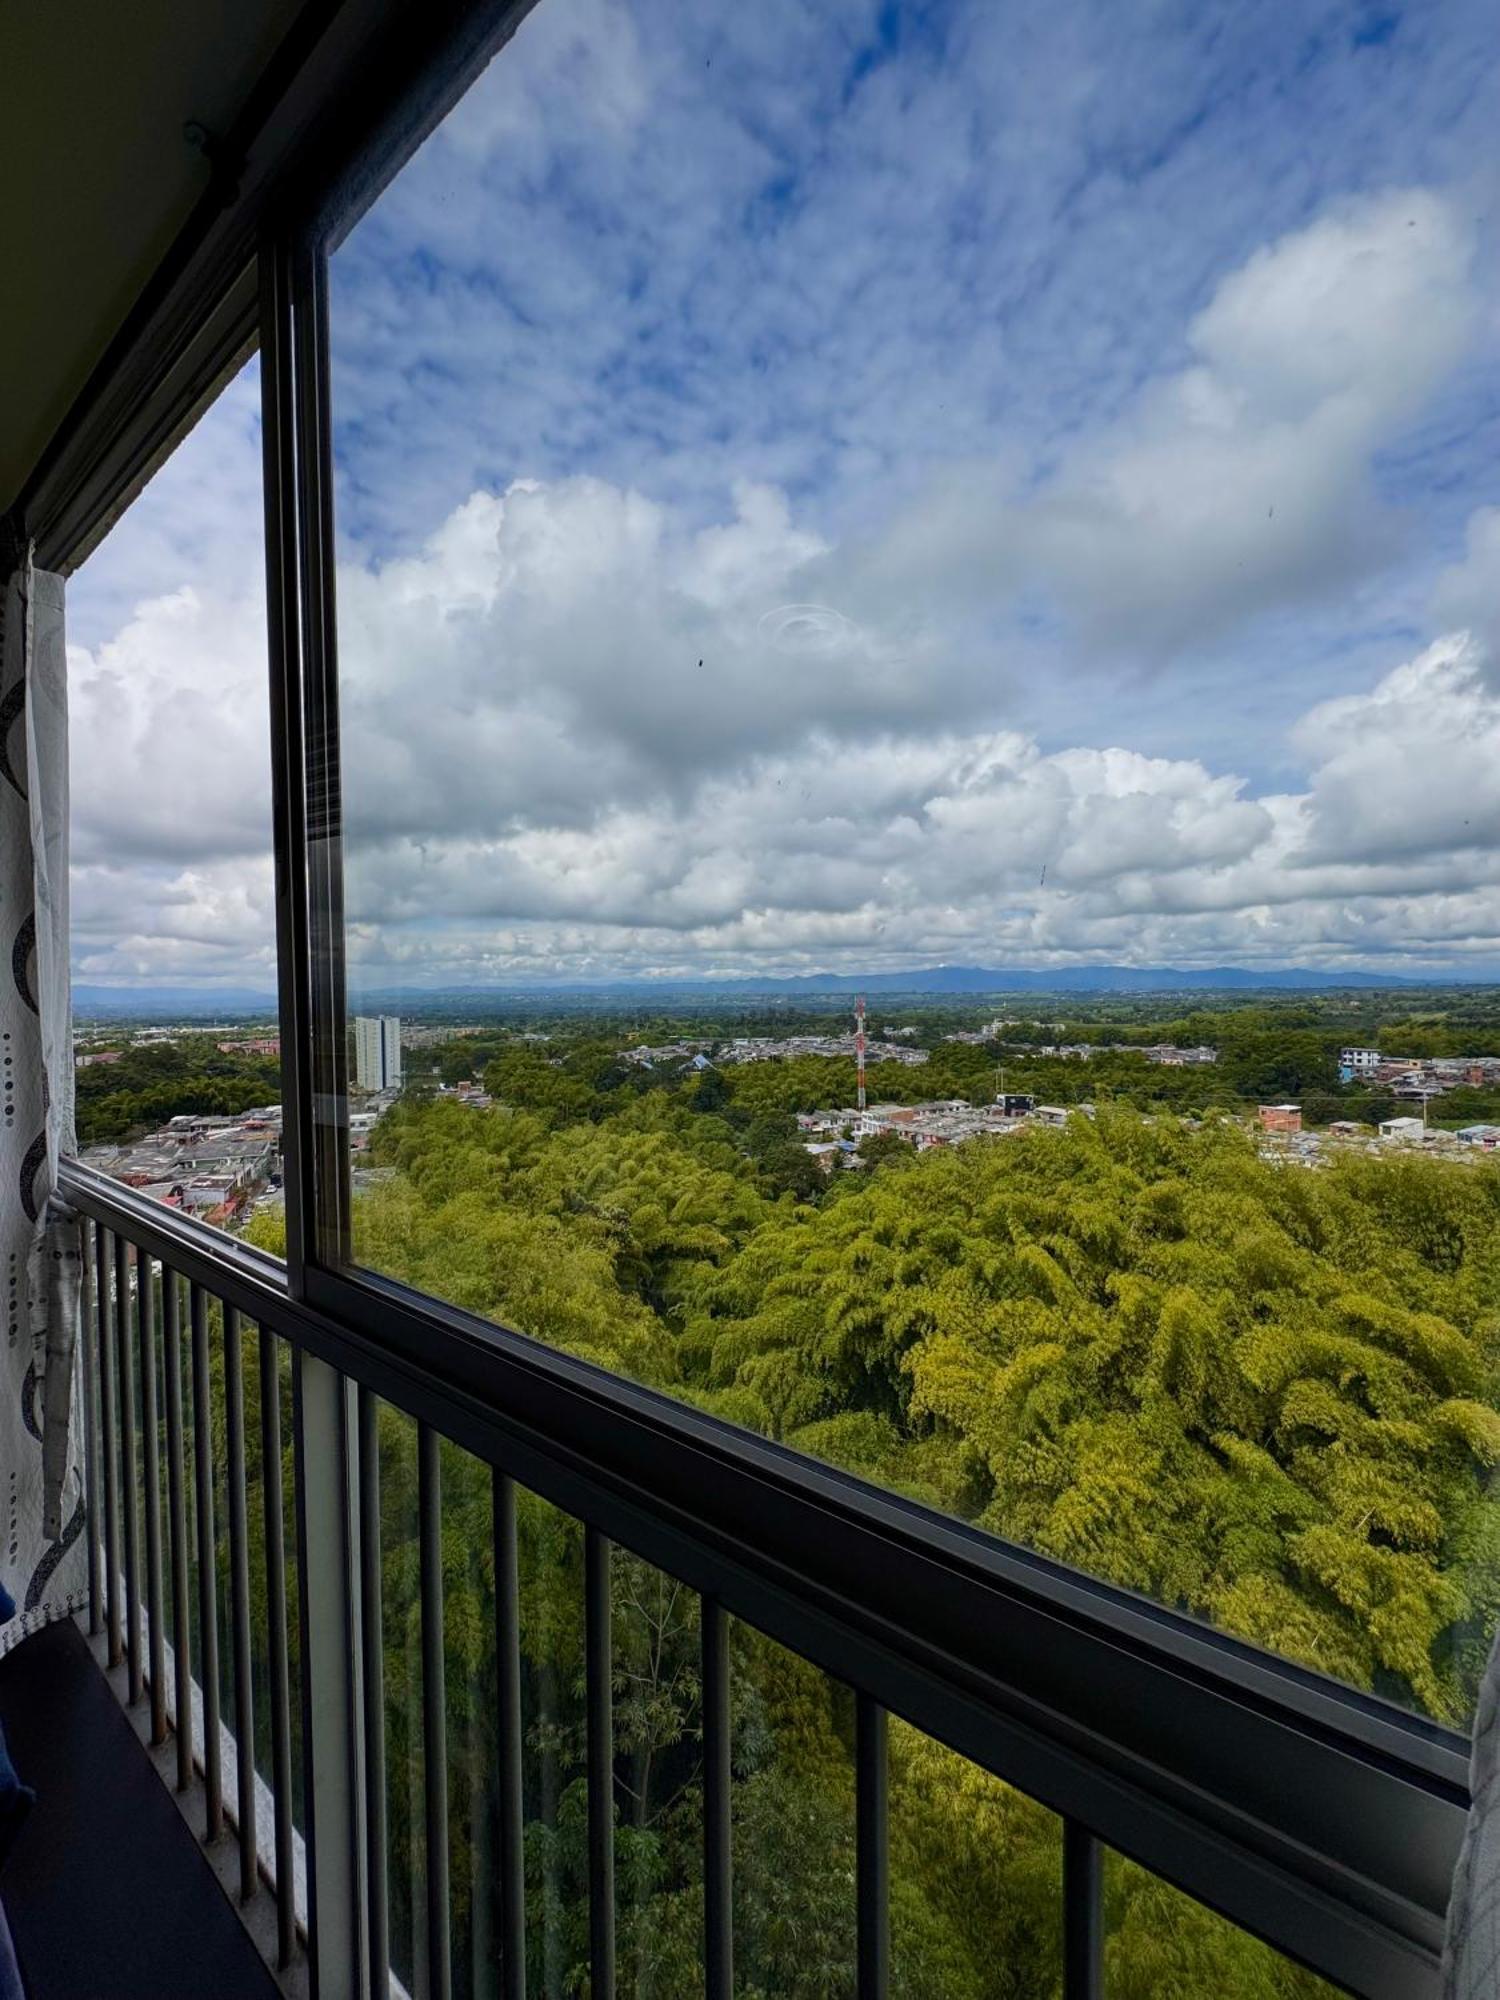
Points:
(1279, 1117)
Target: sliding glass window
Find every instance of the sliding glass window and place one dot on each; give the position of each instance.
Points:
(177, 1042)
(918, 742)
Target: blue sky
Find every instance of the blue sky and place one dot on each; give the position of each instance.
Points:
(805, 471)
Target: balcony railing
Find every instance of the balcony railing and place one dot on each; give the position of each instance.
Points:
(1322, 1820)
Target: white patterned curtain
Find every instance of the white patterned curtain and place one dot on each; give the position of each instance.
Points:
(42, 1546)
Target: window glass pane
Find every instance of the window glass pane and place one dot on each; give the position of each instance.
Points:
(975, 513)
(174, 934)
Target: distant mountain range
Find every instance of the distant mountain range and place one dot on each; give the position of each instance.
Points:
(192, 1003)
(1064, 979)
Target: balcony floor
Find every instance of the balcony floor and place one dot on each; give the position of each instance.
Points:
(107, 1890)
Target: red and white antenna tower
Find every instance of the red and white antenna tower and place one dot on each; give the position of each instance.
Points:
(859, 1048)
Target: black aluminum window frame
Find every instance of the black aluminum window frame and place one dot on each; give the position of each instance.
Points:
(1321, 1819)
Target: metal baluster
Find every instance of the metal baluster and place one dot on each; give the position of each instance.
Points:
(131, 1521)
(434, 1712)
(239, 1598)
(281, 1690)
(508, 1679)
(1083, 1914)
(718, 1873)
(873, 1849)
(90, 1441)
(109, 1441)
(145, 1314)
(372, 1648)
(182, 1694)
(599, 1679)
(208, 1597)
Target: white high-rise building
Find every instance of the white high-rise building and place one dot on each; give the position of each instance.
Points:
(377, 1051)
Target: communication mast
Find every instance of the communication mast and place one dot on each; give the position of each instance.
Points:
(859, 1049)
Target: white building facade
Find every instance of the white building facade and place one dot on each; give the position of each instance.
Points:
(377, 1051)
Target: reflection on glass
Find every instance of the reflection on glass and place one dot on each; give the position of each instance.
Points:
(905, 575)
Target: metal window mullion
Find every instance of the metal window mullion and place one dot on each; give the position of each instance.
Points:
(276, 1642)
(130, 1519)
(872, 1849)
(182, 1700)
(239, 1598)
(325, 1157)
(299, 570)
(599, 1702)
(288, 777)
(1083, 1913)
(434, 1713)
(508, 1687)
(145, 1315)
(208, 1593)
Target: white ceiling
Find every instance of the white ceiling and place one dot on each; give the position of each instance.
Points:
(98, 177)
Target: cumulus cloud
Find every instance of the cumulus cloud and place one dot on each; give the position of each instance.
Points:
(870, 509)
(511, 812)
(901, 849)
(1233, 486)
(170, 748)
(1468, 593)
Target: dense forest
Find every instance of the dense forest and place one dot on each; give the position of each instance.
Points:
(1264, 1395)
(1269, 1051)
(150, 1082)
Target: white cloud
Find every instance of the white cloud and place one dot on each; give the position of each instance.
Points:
(170, 742)
(595, 724)
(1235, 485)
(1468, 594)
(990, 848)
(540, 777)
(1411, 770)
